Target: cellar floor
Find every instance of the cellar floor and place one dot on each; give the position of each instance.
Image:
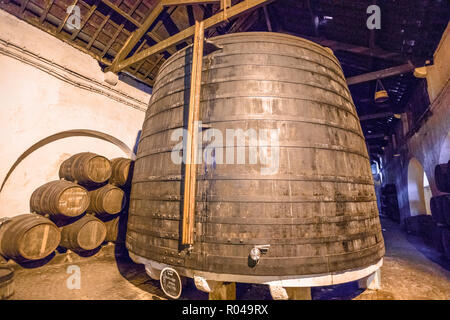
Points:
(411, 270)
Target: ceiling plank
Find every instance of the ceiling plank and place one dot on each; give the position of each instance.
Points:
(47, 9)
(216, 19)
(90, 12)
(99, 29)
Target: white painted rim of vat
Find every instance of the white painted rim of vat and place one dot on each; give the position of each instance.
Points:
(317, 280)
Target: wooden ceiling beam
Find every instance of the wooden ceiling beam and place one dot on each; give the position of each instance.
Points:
(99, 29)
(134, 38)
(355, 49)
(47, 9)
(129, 18)
(380, 74)
(214, 20)
(122, 13)
(63, 22)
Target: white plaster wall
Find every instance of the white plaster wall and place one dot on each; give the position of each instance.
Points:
(47, 87)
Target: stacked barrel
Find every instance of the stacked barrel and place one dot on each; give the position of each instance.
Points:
(389, 202)
(78, 212)
(440, 205)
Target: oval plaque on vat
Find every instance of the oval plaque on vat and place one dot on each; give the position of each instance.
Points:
(171, 282)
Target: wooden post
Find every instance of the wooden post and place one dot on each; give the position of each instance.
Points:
(224, 291)
(371, 282)
(191, 144)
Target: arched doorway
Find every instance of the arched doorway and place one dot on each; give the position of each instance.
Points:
(418, 189)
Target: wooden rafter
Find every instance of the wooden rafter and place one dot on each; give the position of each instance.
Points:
(151, 34)
(99, 29)
(137, 35)
(23, 6)
(266, 16)
(112, 40)
(234, 11)
(385, 73)
(124, 14)
(149, 71)
(47, 9)
(89, 14)
(63, 22)
(143, 61)
(119, 30)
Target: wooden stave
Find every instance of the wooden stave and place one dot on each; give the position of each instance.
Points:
(98, 196)
(6, 283)
(76, 167)
(39, 200)
(70, 234)
(121, 170)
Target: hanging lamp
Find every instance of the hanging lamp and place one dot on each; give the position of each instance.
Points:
(381, 94)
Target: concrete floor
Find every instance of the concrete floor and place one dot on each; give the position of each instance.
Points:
(411, 270)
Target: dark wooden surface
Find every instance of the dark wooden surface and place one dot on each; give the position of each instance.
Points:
(442, 177)
(28, 237)
(318, 212)
(108, 199)
(87, 233)
(112, 229)
(6, 283)
(86, 168)
(120, 171)
(59, 198)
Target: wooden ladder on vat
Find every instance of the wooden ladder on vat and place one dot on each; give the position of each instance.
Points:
(190, 180)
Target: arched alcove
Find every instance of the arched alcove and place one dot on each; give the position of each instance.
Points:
(416, 194)
(67, 134)
(40, 163)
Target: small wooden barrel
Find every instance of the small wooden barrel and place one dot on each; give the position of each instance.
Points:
(112, 229)
(28, 237)
(60, 197)
(86, 168)
(442, 177)
(6, 283)
(437, 209)
(108, 199)
(86, 233)
(120, 171)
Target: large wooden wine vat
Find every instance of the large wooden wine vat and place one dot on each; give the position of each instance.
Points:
(317, 211)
